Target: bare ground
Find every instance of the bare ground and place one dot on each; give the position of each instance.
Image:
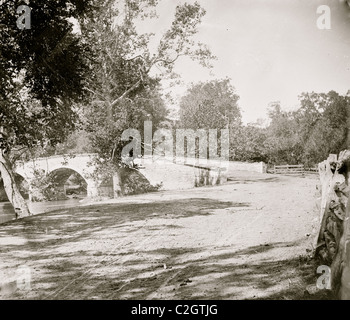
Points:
(248, 239)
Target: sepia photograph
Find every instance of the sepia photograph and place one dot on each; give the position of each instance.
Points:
(189, 151)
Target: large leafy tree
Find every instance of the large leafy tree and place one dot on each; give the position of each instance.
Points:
(309, 134)
(124, 90)
(42, 72)
(283, 144)
(210, 105)
(249, 143)
(322, 120)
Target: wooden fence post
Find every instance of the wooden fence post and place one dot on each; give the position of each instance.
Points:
(333, 242)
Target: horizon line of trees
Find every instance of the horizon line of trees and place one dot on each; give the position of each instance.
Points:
(306, 135)
(319, 127)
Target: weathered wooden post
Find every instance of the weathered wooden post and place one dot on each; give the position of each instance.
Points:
(333, 242)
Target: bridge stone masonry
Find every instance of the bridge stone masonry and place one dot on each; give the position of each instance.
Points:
(186, 173)
(169, 173)
(80, 163)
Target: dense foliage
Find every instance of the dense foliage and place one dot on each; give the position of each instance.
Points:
(307, 135)
(41, 73)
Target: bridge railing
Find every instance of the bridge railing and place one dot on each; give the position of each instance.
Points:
(90, 155)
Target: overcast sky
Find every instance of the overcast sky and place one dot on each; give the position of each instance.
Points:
(271, 49)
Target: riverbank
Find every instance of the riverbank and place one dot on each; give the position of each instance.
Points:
(248, 239)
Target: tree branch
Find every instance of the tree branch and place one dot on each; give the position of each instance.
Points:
(132, 88)
(167, 62)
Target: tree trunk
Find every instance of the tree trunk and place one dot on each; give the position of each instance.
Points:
(11, 188)
(117, 185)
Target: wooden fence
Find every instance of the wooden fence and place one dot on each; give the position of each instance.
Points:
(294, 169)
(290, 169)
(333, 239)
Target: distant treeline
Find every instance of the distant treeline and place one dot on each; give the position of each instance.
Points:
(305, 136)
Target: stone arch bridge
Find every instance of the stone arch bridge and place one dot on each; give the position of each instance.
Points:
(79, 163)
(170, 174)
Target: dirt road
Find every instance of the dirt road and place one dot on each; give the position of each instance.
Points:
(247, 239)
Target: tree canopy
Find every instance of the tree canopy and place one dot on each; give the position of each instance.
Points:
(42, 72)
(210, 105)
(123, 91)
(306, 135)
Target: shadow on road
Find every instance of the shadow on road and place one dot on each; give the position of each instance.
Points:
(65, 267)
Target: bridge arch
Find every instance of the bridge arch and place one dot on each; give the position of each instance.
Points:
(62, 165)
(68, 181)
